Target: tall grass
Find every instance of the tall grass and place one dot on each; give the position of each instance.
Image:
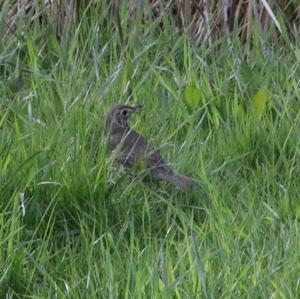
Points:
(73, 225)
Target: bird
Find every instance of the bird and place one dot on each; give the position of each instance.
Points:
(131, 147)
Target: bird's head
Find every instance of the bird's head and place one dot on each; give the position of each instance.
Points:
(119, 115)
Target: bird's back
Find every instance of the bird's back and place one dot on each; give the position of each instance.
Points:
(134, 147)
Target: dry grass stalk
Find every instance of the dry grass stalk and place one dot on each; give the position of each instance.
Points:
(204, 21)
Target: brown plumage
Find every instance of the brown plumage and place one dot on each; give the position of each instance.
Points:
(134, 147)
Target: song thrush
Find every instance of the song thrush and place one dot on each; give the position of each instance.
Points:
(132, 147)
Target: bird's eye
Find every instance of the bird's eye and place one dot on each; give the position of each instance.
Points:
(124, 112)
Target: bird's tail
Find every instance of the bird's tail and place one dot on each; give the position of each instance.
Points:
(179, 180)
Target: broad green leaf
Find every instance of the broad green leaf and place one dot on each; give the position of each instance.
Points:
(259, 102)
(192, 96)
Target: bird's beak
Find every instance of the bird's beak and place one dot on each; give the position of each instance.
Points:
(138, 107)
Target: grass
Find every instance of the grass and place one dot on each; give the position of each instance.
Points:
(74, 226)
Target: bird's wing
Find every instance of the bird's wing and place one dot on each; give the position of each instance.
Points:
(141, 148)
(133, 148)
(157, 162)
